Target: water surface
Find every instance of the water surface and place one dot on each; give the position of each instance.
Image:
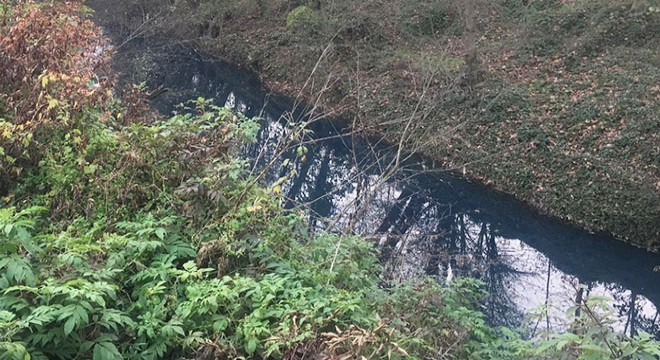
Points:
(426, 221)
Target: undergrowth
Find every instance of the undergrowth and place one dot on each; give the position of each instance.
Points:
(133, 239)
(562, 113)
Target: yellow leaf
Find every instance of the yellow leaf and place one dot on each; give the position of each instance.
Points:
(254, 208)
(52, 103)
(277, 189)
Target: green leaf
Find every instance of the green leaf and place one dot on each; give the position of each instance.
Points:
(160, 232)
(52, 103)
(29, 245)
(14, 351)
(69, 325)
(220, 325)
(179, 330)
(90, 169)
(84, 346)
(8, 228)
(106, 351)
(80, 314)
(22, 234)
(6, 316)
(593, 348)
(543, 347)
(251, 345)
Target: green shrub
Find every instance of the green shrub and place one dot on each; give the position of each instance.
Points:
(153, 241)
(304, 21)
(138, 265)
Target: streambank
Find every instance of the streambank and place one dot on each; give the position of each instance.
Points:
(426, 222)
(559, 114)
(153, 241)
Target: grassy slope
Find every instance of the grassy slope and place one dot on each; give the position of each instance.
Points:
(564, 117)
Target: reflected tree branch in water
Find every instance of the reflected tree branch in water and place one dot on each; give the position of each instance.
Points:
(480, 244)
(491, 252)
(448, 230)
(463, 233)
(578, 301)
(322, 205)
(631, 316)
(547, 296)
(300, 179)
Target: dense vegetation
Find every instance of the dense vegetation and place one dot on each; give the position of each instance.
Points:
(555, 102)
(125, 237)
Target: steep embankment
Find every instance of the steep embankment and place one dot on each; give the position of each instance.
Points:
(559, 108)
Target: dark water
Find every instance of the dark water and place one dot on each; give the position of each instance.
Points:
(426, 221)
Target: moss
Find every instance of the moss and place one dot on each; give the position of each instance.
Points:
(303, 20)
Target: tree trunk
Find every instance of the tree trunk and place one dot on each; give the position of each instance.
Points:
(472, 66)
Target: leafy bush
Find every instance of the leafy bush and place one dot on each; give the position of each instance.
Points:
(303, 20)
(53, 64)
(152, 241)
(592, 336)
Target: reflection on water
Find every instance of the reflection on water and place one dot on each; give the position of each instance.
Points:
(428, 222)
(431, 223)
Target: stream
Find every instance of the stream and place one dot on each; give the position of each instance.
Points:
(425, 220)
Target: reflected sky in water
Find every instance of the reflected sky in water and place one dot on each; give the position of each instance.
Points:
(426, 222)
(431, 223)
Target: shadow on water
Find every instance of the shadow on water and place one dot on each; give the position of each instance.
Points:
(426, 221)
